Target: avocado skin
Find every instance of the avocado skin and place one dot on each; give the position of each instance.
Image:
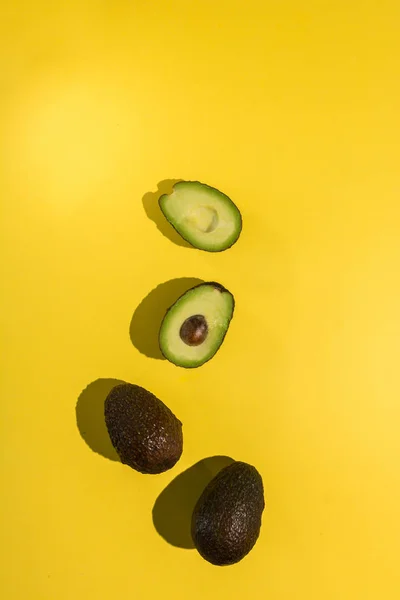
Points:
(226, 520)
(144, 431)
(215, 285)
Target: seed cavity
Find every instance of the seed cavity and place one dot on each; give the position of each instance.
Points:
(203, 218)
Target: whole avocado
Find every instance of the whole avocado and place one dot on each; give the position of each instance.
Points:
(226, 520)
(145, 433)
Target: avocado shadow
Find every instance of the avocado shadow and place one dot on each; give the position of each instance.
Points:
(173, 509)
(153, 211)
(90, 417)
(146, 321)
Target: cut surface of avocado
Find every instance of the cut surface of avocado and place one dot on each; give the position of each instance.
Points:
(195, 326)
(202, 215)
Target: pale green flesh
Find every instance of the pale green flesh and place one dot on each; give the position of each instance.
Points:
(217, 308)
(203, 216)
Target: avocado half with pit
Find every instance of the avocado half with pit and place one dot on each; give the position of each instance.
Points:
(195, 326)
(202, 215)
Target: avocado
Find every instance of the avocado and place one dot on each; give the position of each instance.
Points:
(145, 433)
(226, 520)
(202, 215)
(195, 326)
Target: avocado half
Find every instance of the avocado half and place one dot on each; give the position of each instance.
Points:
(195, 326)
(202, 215)
(226, 520)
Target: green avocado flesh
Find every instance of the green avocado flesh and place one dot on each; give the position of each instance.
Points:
(226, 520)
(195, 326)
(202, 215)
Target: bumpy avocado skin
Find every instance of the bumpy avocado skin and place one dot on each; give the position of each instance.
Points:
(226, 520)
(143, 430)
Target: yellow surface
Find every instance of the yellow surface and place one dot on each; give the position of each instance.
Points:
(292, 109)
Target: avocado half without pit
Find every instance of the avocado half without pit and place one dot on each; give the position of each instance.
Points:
(202, 215)
(195, 326)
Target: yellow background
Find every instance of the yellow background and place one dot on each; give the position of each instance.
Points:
(292, 109)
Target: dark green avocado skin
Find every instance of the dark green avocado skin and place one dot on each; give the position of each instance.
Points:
(143, 430)
(226, 520)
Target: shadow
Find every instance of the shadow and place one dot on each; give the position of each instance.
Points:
(173, 509)
(153, 211)
(90, 417)
(147, 318)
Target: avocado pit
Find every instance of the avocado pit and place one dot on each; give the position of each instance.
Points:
(194, 330)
